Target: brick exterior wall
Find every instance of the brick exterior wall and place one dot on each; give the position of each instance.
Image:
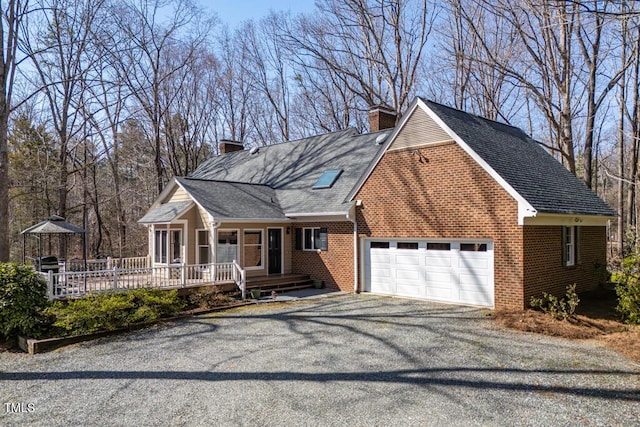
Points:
(446, 195)
(439, 191)
(334, 266)
(544, 269)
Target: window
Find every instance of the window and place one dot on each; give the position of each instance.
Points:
(253, 249)
(204, 250)
(311, 239)
(327, 179)
(408, 245)
(379, 245)
(161, 246)
(176, 246)
(168, 246)
(227, 246)
(438, 246)
(473, 247)
(569, 245)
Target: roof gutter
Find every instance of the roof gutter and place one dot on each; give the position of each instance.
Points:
(352, 216)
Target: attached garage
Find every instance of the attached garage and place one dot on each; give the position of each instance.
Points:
(455, 271)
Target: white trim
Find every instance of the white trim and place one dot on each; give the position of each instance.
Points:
(218, 230)
(281, 248)
(198, 245)
(184, 237)
(313, 239)
(262, 249)
(248, 220)
(569, 240)
(568, 220)
(320, 214)
(524, 207)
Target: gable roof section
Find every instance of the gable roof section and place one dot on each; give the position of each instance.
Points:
(286, 173)
(224, 200)
(537, 181)
(165, 212)
(527, 167)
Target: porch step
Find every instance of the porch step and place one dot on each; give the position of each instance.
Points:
(280, 283)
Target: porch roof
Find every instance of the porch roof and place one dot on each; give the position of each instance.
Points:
(234, 200)
(165, 212)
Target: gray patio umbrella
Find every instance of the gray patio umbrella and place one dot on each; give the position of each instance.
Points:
(54, 225)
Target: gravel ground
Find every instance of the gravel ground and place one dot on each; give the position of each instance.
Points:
(347, 360)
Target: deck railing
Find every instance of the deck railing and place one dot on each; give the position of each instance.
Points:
(77, 283)
(106, 263)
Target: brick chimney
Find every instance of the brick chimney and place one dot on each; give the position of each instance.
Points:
(228, 146)
(381, 117)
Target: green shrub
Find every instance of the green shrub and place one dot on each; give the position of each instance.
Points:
(560, 308)
(109, 311)
(628, 289)
(22, 300)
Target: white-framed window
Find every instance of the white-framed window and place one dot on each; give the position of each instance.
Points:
(203, 247)
(569, 242)
(168, 246)
(227, 246)
(252, 244)
(314, 238)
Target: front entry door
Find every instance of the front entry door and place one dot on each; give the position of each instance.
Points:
(275, 250)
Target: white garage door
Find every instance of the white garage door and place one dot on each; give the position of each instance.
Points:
(451, 271)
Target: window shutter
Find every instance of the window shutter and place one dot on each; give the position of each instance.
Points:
(577, 244)
(563, 252)
(324, 239)
(298, 239)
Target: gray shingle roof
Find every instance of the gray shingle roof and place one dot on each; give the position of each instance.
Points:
(165, 212)
(240, 201)
(539, 178)
(289, 170)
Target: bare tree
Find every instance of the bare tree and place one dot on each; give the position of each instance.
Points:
(143, 62)
(12, 13)
(374, 46)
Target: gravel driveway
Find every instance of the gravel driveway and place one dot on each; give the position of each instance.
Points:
(348, 360)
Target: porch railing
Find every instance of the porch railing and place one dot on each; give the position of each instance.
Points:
(65, 284)
(107, 263)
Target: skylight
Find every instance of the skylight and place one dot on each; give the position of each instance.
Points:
(327, 179)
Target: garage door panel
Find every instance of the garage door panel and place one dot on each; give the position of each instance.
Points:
(409, 274)
(379, 258)
(438, 261)
(473, 263)
(410, 290)
(440, 293)
(407, 259)
(474, 279)
(438, 277)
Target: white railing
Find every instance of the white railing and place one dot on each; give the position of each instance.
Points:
(76, 283)
(106, 263)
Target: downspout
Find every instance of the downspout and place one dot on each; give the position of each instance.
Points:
(352, 216)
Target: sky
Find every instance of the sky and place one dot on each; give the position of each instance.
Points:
(234, 12)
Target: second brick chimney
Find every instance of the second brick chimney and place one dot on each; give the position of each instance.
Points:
(229, 146)
(381, 117)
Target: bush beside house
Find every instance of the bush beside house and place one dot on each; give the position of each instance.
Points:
(22, 301)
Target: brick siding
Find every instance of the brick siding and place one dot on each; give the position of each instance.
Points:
(544, 269)
(439, 191)
(447, 195)
(334, 266)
